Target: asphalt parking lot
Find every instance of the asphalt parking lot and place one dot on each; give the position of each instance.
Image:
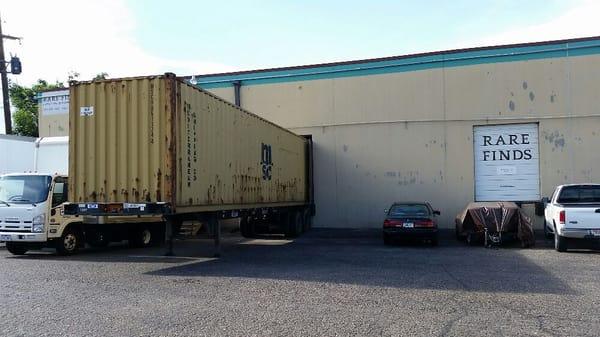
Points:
(327, 283)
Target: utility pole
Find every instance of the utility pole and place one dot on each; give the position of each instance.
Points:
(5, 100)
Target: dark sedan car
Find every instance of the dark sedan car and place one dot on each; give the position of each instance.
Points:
(410, 220)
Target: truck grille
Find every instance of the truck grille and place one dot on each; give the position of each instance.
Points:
(15, 225)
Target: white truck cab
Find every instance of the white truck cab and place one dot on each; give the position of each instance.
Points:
(30, 209)
(573, 212)
(32, 217)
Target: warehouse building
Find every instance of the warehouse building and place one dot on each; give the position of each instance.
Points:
(496, 123)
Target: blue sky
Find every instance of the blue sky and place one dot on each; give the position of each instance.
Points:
(250, 34)
(135, 37)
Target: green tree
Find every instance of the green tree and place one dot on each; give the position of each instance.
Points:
(24, 100)
(100, 76)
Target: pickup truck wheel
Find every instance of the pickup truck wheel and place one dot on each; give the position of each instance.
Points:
(547, 233)
(560, 242)
(15, 248)
(69, 242)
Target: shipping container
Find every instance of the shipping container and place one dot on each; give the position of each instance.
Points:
(160, 145)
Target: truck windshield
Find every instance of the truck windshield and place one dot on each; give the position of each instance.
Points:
(579, 194)
(24, 189)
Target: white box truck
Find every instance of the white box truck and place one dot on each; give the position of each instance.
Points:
(31, 206)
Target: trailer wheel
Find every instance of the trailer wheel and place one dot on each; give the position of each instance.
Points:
(15, 248)
(69, 242)
(141, 237)
(306, 220)
(247, 227)
(289, 224)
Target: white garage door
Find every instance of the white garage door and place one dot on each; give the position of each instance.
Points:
(507, 165)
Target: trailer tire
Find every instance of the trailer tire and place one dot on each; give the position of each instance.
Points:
(247, 227)
(306, 220)
(142, 237)
(69, 242)
(15, 248)
(288, 223)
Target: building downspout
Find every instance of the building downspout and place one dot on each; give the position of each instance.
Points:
(237, 85)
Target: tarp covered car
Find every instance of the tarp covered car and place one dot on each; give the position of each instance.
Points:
(490, 222)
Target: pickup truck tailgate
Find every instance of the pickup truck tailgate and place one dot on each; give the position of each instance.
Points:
(583, 217)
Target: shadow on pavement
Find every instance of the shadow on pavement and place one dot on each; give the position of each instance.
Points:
(359, 257)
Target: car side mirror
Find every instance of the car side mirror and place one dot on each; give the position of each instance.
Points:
(386, 211)
(545, 200)
(436, 212)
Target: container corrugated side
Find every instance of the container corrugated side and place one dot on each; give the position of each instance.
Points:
(119, 134)
(231, 157)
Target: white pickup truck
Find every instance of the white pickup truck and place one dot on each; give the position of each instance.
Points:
(573, 212)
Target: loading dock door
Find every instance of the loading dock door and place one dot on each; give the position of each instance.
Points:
(507, 165)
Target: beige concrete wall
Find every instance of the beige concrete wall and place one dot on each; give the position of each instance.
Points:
(408, 135)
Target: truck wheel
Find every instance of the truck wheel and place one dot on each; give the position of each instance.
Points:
(247, 227)
(69, 242)
(560, 242)
(15, 248)
(98, 239)
(141, 237)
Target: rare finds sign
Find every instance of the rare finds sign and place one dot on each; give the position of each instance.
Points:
(507, 166)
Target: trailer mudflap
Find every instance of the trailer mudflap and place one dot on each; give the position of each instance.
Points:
(119, 208)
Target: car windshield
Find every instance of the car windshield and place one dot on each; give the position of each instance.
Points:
(24, 189)
(409, 210)
(579, 194)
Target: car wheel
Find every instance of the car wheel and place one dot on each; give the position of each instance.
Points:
(433, 242)
(560, 242)
(15, 248)
(69, 242)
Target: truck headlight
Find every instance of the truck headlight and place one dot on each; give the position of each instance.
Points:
(38, 223)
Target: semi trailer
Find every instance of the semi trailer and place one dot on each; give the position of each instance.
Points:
(158, 145)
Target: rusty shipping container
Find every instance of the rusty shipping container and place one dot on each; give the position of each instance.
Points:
(161, 141)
